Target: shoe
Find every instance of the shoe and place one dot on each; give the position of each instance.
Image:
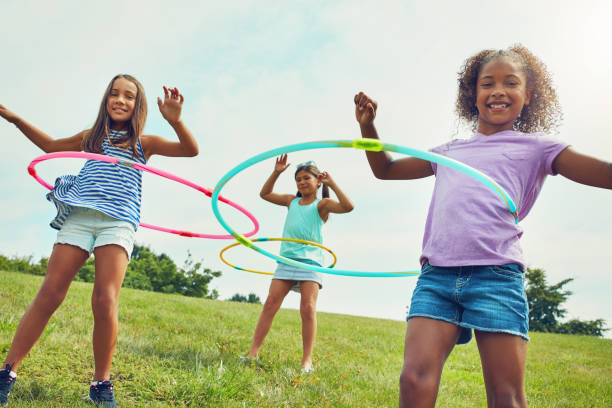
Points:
(101, 394)
(7, 381)
(308, 370)
(248, 360)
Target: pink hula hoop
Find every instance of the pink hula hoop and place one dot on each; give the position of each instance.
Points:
(148, 169)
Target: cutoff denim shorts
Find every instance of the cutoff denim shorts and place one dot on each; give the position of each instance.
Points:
(88, 229)
(485, 298)
(289, 272)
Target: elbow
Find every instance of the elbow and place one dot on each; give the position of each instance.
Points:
(193, 152)
(348, 207)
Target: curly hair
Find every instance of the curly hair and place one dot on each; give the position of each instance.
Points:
(543, 114)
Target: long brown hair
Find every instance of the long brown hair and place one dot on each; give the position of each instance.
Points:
(92, 142)
(312, 169)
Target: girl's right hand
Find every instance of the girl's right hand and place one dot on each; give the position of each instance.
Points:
(365, 109)
(281, 164)
(8, 115)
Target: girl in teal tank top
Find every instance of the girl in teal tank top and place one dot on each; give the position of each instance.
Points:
(306, 216)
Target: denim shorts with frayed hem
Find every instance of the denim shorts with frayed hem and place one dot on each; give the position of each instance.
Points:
(88, 229)
(485, 298)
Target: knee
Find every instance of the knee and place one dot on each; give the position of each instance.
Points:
(416, 381)
(272, 304)
(307, 310)
(51, 297)
(104, 304)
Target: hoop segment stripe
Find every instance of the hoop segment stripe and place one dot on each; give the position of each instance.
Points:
(302, 241)
(148, 169)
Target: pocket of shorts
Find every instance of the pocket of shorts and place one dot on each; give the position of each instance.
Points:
(507, 271)
(426, 267)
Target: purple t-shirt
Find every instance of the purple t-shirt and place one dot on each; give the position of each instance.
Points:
(468, 223)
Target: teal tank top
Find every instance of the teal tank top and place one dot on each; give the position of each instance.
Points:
(303, 222)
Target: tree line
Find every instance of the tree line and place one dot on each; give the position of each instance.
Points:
(158, 273)
(146, 271)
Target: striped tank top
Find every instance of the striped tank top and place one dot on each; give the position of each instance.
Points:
(109, 188)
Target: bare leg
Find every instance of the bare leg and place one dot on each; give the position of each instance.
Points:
(111, 263)
(308, 303)
(278, 290)
(503, 358)
(428, 344)
(64, 263)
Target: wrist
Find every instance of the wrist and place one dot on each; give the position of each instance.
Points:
(175, 123)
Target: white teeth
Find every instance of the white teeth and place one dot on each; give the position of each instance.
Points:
(499, 106)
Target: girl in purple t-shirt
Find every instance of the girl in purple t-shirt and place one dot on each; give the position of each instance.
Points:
(472, 264)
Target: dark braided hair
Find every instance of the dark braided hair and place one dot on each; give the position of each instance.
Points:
(543, 114)
(312, 169)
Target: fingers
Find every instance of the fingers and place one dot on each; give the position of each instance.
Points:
(173, 93)
(159, 102)
(363, 101)
(166, 93)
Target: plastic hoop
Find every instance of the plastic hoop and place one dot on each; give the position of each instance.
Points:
(301, 241)
(148, 169)
(363, 144)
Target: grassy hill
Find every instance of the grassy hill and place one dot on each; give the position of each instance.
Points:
(183, 352)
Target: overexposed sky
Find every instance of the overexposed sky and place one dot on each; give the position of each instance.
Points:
(262, 75)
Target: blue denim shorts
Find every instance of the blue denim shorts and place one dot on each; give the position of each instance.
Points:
(485, 298)
(289, 272)
(88, 229)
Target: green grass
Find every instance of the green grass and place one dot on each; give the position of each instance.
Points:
(183, 352)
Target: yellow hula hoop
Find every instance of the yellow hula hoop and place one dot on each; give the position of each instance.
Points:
(301, 241)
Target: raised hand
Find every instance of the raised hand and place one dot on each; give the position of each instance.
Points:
(281, 164)
(365, 109)
(8, 115)
(172, 105)
(325, 178)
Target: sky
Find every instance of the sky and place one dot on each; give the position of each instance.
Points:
(259, 77)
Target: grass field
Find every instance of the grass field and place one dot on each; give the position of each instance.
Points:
(183, 352)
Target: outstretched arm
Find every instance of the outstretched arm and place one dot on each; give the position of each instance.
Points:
(40, 138)
(583, 169)
(327, 205)
(381, 163)
(267, 192)
(170, 109)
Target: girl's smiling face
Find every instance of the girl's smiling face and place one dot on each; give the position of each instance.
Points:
(121, 101)
(501, 93)
(306, 182)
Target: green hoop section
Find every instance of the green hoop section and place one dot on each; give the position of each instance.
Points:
(374, 145)
(301, 241)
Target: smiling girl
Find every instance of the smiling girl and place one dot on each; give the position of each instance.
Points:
(97, 211)
(305, 218)
(472, 275)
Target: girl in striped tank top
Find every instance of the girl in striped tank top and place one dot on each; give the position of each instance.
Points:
(304, 220)
(98, 211)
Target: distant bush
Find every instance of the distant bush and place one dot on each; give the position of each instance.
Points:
(146, 271)
(251, 298)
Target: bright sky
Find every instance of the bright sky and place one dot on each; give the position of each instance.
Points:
(258, 77)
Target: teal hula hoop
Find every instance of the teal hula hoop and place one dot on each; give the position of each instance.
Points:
(363, 144)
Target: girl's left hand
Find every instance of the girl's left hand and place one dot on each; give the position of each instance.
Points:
(172, 105)
(325, 178)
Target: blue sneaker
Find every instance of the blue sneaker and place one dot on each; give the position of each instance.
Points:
(6, 383)
(101, 394)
